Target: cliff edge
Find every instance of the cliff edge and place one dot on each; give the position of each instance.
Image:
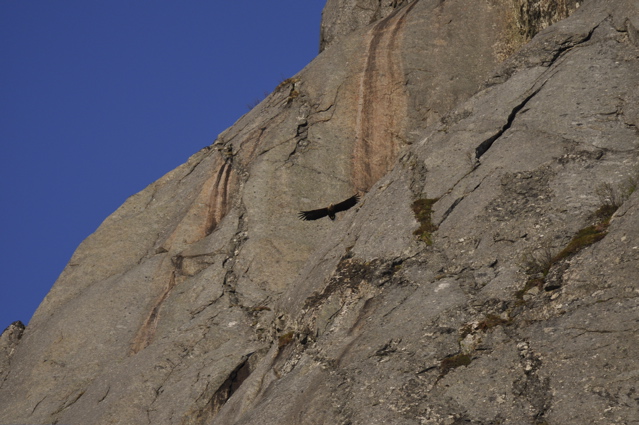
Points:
(488, 274)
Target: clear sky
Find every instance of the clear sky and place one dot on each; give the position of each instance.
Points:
(99, 98)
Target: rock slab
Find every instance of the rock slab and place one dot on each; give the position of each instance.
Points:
(204, 300)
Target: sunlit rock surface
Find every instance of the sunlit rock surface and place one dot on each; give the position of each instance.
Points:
(205, 300)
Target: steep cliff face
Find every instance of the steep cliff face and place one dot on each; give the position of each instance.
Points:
(341, 17)
(522, 18)
(8, 342)
(531, 16)
(487, 276)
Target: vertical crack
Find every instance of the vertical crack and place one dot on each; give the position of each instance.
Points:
(218, 398)
(231, 385)
(230, 277)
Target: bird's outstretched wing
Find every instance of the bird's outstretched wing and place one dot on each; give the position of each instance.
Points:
(344, 205)
(330, 210)
(313, 214)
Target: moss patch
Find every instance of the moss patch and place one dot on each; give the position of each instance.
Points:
(452, 362)
(539, 267)
(585, 237)
(423, 209)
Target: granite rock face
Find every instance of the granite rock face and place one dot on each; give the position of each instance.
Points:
(532, 16)
(489, 274)
(341, 17)
(9, 339)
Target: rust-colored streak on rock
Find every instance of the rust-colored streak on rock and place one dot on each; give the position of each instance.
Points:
(382, 102)
(208, 209)
(146, 332)
(218, 203)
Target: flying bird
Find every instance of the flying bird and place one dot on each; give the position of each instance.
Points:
(330, 210)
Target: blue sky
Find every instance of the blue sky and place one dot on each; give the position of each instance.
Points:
(99, 98)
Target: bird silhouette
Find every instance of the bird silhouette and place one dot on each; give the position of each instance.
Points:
(329, 211)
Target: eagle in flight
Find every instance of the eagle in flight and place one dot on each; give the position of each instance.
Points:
(330, 210)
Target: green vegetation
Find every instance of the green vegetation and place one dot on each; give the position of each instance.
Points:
(585, 237)
(538, 266)
(538, 263)
(611, 197)
(423, 209)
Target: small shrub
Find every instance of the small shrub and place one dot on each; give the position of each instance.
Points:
(605, 212)
(292, 95)
(539, 262)
(612, 197)
(538, 265)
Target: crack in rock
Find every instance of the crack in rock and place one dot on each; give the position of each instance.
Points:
(222, 394)
(486, 144)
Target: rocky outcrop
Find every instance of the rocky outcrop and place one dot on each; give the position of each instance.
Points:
(532, 16)
(487, 276)
(521, 18)
(342, 17)
(512, 315)
(8, 341)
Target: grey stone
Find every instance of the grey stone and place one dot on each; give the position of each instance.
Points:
(342, 17)
(204, 300)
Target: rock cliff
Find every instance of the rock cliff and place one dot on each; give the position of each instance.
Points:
(488, 275)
